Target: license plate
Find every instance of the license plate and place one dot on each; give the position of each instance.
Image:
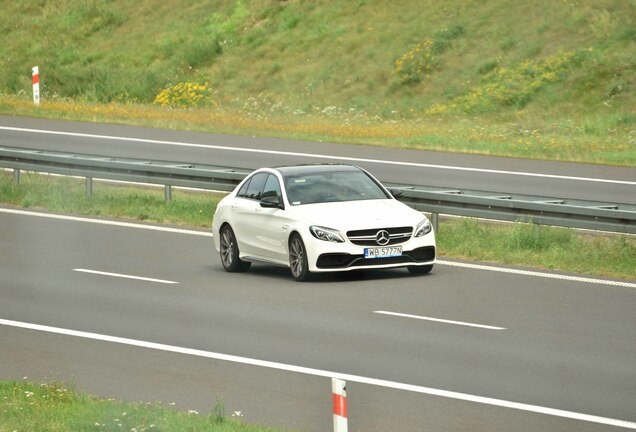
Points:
(383, 252)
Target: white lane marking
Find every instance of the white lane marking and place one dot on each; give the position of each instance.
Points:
(316, 156)
(537, 274)
(209, 234)
(118, 275)
(461, 323)
(327, 374)
(106, 222)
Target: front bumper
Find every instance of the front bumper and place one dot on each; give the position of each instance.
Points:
(341, 261)
(328, 257)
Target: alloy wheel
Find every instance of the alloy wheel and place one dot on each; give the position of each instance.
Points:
(228, 246)
(297, 257)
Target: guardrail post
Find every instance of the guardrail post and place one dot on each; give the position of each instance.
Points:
(167, 193)
(339, 396)
(35, 78)
(16, 176)
(89, 187)
(435, 222)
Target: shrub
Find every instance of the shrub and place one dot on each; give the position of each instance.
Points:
(512, 86)
(183, 94)
(415, 64)
(201, 50)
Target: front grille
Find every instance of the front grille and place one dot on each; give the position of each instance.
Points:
(368, 237)
(342, 260)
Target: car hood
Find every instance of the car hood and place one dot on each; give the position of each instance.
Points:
(355, 215)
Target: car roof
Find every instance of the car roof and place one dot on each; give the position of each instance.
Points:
(296, 170)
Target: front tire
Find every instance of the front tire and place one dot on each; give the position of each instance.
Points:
(420, 270)
(230, 252)
(298, 259)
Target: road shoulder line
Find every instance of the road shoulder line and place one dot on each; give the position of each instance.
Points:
(534, 273)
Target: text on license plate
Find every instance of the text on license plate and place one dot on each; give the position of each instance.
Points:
(383, 252)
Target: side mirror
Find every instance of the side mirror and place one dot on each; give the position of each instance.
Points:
(396, 193)
(272, 202)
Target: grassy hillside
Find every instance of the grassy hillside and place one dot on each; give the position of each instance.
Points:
(543, 78)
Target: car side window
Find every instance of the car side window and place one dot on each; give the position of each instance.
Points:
(243, 190)
(272, 187)
(255, 188)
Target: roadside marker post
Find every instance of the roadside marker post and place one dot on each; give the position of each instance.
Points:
(35, 78)
(339, 396)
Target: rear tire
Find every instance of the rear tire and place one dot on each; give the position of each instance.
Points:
(298, 259)
(230, 252)
(420, 270)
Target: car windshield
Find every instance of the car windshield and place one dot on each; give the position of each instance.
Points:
(332, 186)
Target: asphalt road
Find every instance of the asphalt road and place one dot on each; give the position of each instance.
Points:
(502, 175)
(548, 343)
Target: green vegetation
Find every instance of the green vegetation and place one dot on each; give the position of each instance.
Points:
(530, 245)
(54, 407)
(68, 195)
(542, 79)
(520, 244)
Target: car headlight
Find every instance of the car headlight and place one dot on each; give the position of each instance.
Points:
(326, 234)
(423, 228)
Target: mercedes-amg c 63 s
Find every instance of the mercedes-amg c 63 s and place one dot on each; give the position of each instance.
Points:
(320, 218)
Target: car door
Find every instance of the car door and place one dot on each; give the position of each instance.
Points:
(272, 228)
(244, 214)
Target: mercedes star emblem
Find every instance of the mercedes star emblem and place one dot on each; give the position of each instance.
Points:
(382, 237)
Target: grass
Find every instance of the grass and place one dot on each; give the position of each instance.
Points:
(67, 195)
(517, 244)
(545, 79)
(553, 248)
(57, 407)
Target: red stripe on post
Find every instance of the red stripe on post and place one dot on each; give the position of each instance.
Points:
(339, 405)
(36, 78)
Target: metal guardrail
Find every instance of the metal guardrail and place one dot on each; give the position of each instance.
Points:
(540, 210)
(170, 174)
(523, 208)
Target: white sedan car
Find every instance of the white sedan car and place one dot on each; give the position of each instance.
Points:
(320, 218)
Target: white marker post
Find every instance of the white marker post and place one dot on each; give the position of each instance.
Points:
(339, 395)
(35, 75)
